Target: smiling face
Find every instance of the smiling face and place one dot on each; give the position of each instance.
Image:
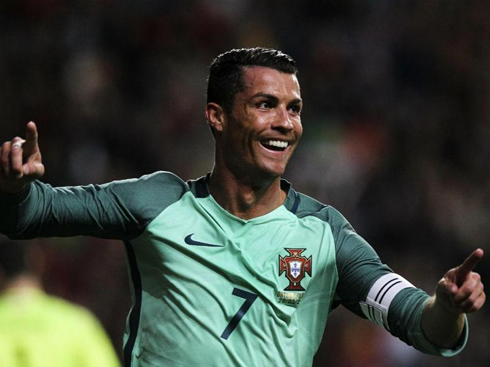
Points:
(258, 137)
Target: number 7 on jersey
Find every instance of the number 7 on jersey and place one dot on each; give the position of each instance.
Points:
(249, 299)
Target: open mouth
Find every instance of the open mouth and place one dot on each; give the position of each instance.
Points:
(275, 145)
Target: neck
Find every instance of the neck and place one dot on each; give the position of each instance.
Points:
(244, 197)
(21, 283)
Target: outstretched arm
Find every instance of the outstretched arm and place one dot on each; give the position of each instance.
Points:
(460, 291)
(21, 161)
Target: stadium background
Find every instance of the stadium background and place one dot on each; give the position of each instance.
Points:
(396, 121)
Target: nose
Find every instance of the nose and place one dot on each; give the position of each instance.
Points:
(283, 120)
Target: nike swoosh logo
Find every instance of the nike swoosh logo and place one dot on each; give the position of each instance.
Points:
(191, 242)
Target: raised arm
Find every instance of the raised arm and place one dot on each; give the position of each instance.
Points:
(21, 161)
(460, 291)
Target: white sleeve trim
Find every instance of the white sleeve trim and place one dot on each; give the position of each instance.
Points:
(380, 296)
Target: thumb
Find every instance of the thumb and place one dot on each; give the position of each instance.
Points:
(33, 170)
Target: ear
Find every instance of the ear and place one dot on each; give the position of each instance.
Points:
(215, 116)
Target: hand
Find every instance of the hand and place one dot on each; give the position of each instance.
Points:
(20, 161)
(461, 289)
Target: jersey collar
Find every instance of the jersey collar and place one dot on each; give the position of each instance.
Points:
(200, 189)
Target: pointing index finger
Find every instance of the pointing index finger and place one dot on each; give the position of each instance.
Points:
(469, 264)
(31, 135)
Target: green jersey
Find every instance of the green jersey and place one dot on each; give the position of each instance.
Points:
(211, 289)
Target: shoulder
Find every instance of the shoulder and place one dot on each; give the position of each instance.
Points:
(61, 311)
(159, 179)
(153, 186)
(306, 206)
(144, 198)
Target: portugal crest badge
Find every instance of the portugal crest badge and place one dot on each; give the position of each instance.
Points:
(296, 268)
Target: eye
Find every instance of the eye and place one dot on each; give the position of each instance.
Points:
(296, 109)
(264, 104)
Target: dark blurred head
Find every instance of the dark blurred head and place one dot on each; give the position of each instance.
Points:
(13, 258)
(226, 71)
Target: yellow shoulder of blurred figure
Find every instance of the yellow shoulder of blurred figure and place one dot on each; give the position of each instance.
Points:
(39, 330)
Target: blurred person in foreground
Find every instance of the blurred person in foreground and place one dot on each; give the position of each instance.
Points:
(236, 268)
(37, 329)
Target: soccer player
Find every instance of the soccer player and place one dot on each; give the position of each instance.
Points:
(237, 268)
(40, 330)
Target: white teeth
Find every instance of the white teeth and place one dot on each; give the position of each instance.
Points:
(277, 143)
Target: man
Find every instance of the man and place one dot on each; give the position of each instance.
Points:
(237, 268)
(40, 330)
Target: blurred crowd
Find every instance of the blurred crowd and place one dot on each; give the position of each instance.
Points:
(396, 124)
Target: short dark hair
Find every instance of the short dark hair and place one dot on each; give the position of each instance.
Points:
(13, 258)
(226, 71)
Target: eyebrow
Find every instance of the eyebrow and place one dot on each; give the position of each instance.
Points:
(274, 98)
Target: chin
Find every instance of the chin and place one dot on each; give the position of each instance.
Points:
(273, 172)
